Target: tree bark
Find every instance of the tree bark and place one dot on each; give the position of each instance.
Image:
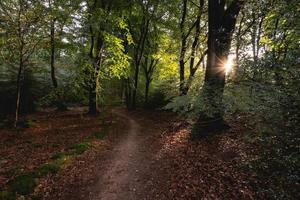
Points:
(18, 91)
(148, 70)
(52, 46)
(221, 24)
(138, 56)
(20, 70)
(183, 49)
(52, 56)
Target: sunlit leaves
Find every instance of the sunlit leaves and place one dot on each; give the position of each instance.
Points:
(116, 63)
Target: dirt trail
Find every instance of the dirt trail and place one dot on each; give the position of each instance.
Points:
(122, 174)
(148, 155)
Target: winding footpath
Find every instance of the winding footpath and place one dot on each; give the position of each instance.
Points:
(123, 172)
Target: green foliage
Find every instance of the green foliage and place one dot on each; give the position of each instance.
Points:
(58, 155)
(49, 168)
(118, 63)
(80, 148)
(157, 100)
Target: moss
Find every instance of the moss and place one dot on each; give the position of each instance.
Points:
(79, 148)
(23, 184)
(49, 168)
(58, 155)
(6, 195)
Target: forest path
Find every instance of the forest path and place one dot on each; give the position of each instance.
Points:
(121, 178)
(148, 155)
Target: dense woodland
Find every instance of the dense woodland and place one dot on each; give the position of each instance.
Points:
(207, 61)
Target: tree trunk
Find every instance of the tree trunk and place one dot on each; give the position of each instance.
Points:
(221, 24)
(138, 57)
(128, 93)
(238, 42)
(92, 86)
(147, 90)
(183, 49)
(92, 101)
(52, 44)
(18, 91)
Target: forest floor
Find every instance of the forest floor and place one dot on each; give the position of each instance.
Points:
(123, 155)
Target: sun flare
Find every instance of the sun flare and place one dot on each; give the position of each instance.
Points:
(228, 65)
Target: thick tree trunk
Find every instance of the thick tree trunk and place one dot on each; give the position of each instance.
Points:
(92, 101)
(221, 24)
(93, 110)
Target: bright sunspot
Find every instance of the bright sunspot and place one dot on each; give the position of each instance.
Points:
(228, 65)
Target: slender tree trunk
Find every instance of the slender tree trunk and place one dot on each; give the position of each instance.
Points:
(52, 46)
(183, 49)
(147, 86)
(238, 42)
(148, 70)
(52, 56)
(138, 57)
(92, 86)
(193, 67)
(60, 102)
(135, 87)
(20, 70)
(128, 90)
(18, 91)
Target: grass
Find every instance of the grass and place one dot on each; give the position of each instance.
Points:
(49, 168)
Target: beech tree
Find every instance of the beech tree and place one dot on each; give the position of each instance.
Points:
(222, 16)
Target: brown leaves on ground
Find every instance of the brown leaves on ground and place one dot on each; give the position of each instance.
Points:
(53, 132)
(179, 167)
(208, 168)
